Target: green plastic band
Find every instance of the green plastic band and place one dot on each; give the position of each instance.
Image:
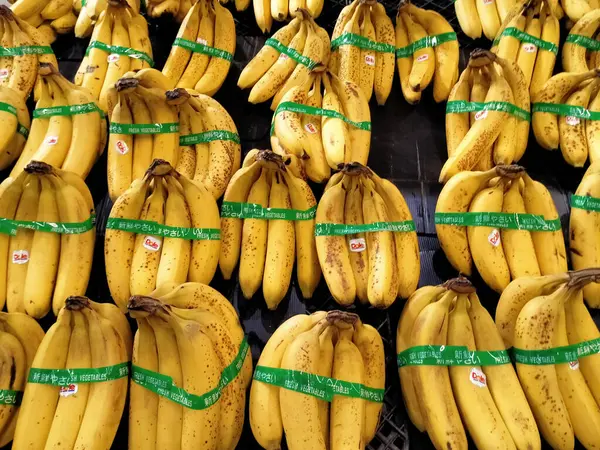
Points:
(427, 41)
(198, 47)
(512, 221)
(66, 377)
(340, 229)
(362, 42)
(26, 50)
(10, 227)
(450, 355)
(21, 129)
(118, 50)
(143, 128)
(67, 110)
(585, 202)
(526, 37)
(323, 388)
(557, 355)
(291, 53)
(156, 229)
(583, 41)
(163, 385)
(461, 106)
(237, 210)
(566, 110)
(10, 398)
(209, 136)
(311, 110)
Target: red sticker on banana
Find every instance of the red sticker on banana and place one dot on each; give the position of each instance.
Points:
(121, 147)
(494, 237)
(370, 60)
(151, 243)
(113, 57)
(529, 48)
(422, 58)
(574, 365)
(358, 245)
(4, 73)
(20, 257)
(311, 128)
(481, 115)
(477, 377)
(51, 140)
(66, 391)
(572, 120)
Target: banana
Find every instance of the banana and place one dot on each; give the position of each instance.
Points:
(334, 132)
(179, 57)
(405, 64)
(147, 250)
(231, 228)
(475, 402)
(186, 163)
(592, 131)
(112, 313)
(254, 239)
(526, 57)
(324, 369)
(142, 143)
(333, 253)
(344, 17)
(279, 10)
(468, 18)
(534, 330)
(24, 67)
(217, 69)
(587, 22)
(423, 66)
(484, 242)
(138, 38)
(384, 62)
(15, 367)
(359, 250)
(120, 148)
(119, 244)
(545, 124)
(288, 124)
(545, 60)
(262, 13)
(573, 142)
(71, 408)
(480, 86)
(490, 20)
(316, 166)
(39, 400)
(457, 124)
(456, 196)
(299, 412)
(432, 383)
(349, 55)
(97, 60)
(143, 403)
(504, 8)
(509, 46)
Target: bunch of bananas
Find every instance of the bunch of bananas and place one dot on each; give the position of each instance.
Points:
(68, 130)
(502, 220)
(203, 49)
(119, 44)
(469, 383)
(209, 144)
(530, 36)
(584, 226)
(555, 347)
(364, 48)
(191, 334)
(143, 127)
(575, 10)
(286, 60)
(88, 12)
(164, 228)
(20, 337)
(267, 220)
(49, 17)
(19, 68)
(323, 130)
(267, 10)
(580, 51)
(15, 120)
(426, 49)
(565, 114)
(366, 239)
(330, 349)
(47, 254)
(79, 403)
(480, 132)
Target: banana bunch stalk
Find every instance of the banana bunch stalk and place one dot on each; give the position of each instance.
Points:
(203, 49)
(575, 10)
(329, 345)
(143, 127)
(20, 337)
(49, 256)
(437, 60)
(119, 43)
(584, 225)
(530, 36)
(277, 67)
(488, 397)
(580, 51)
(88, 12)
(540, 316)
(495, 237)
(68, 130)
(19, 70)
(197, 344)
(479, 134)
(566, 115)
(209, 145)
(164, 228)
(15, 120)
(363, 46)
(266, 244)
(337, 131)
(64, 409)
(381, 260)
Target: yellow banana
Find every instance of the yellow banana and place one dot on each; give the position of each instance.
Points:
(384, 62)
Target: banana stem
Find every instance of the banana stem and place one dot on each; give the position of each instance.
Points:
(39, 168)
(460, 285)
(142, 306)
(512, 171)
(580, 278)
(77, 303)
